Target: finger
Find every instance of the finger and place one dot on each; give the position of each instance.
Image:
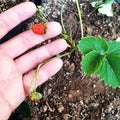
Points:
(35, 57)
(12, 17)
(46, 71)
(21, 43)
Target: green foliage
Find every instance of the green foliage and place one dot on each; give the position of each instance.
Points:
(101, 57)
(91, 43)
(104, 7)
(92, 62)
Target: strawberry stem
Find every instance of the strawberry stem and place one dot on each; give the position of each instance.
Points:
(41, 14)
(80, 17)
(33, 88)
(61, 15)
(68, 38)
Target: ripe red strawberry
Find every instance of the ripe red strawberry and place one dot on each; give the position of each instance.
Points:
(39, 28)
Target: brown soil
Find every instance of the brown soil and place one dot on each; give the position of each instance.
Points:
(71, 94)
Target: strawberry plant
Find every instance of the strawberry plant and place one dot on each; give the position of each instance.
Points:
(99, 56)
(33, 94)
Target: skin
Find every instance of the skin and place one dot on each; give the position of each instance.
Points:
(14, 83)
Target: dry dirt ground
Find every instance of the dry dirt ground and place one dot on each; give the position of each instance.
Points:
(71, 94)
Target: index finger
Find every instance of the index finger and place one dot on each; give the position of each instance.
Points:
(12, 17)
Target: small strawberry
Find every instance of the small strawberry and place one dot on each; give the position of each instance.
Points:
(39, 28)
(35, 96)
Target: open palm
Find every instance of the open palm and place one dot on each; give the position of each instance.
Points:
(15, 67)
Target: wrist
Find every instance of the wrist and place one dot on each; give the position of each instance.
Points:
(5, 110)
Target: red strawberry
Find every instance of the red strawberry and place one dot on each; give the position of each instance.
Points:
(38, 28)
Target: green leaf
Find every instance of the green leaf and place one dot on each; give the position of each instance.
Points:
(104, 7)
(88, 44)
(101, 57)
(114, 48)
(110, 71)
(114, 61)
(92, 61)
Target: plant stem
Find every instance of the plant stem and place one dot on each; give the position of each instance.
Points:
(81, 24)
(48, 60)
(61, 15)
(67, 37)
(43, 63)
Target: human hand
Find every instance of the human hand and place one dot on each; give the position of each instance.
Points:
(14, 83)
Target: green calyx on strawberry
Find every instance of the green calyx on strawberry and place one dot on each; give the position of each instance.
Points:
(35, 96)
